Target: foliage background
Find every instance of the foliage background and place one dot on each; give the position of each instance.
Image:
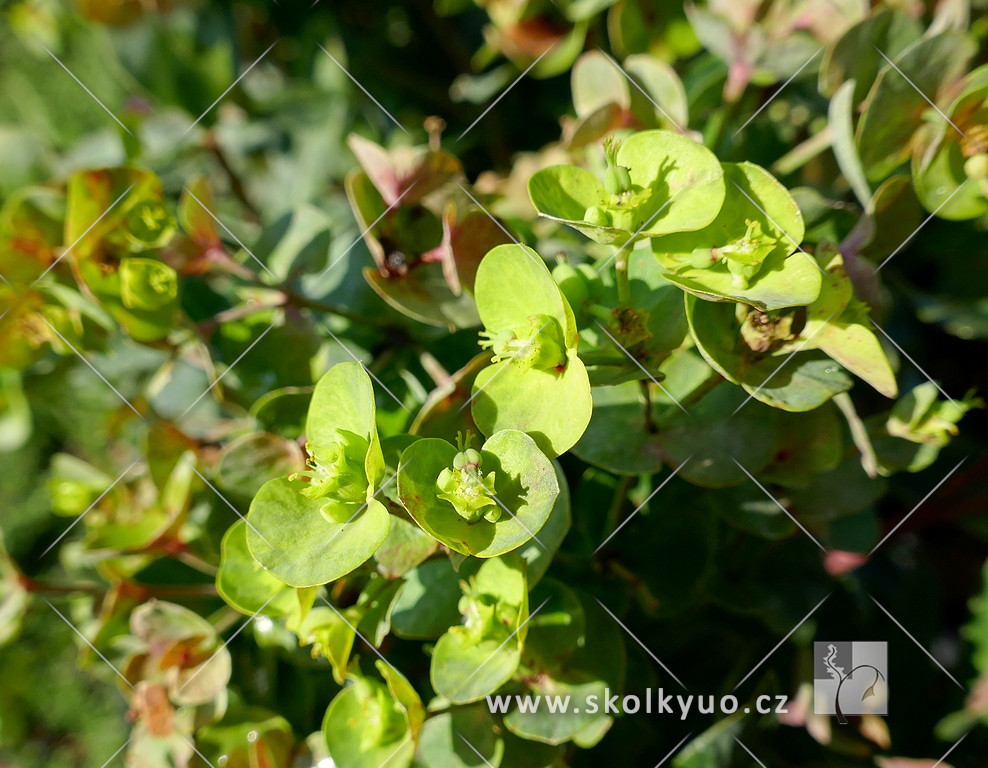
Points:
(274, 151)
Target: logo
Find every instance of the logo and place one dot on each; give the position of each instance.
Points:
(850, 679)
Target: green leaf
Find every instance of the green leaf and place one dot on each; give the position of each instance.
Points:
(538, 555)
(241, 581)
(424, 295)
(835, 324)
(405, 547)
(713, 747)
(478, 657)
(598, 663)
(677, 186)
(248, 462)
(802, 383)
(343, 402)
(331, 636)
(898, 99)
(663, 88)
(554, 408)
(374, 605)
(853, 55)
(942, 158)
(513, 284)
(772, 278)
(73, 484)
(840, 118)
(716, 433)
(538, 384)
(596, 82)
(617, 439)
(525, 489)
(290, 536)
(365, 727)
(449, 739)
(426, 606)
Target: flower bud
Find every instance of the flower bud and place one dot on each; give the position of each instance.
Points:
(597, 216)
(336, 470)
(976, 166)
(539, 345)
(465, 487)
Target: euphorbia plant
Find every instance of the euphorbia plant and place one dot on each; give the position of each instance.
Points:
(655, 183)
(478, 502)
(321, 523)
(537, 384)
(657, 413)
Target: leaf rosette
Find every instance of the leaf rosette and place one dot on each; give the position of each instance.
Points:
(748, 252)
(372, 723)
(477, 657)
(321, 523)
(479, 502)
(537, 383)
(657, 182)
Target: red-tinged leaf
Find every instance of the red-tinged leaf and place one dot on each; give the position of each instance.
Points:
(195, 214)
(408, 173)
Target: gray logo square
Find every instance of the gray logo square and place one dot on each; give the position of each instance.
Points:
(850, 678)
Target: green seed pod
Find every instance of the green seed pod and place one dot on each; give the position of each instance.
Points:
(573, 285)
(623, 176)
(976, 166)
(336, 470)
(470, 491)
(592, 278)
(611, 181)
(597, 216)
(701, 258)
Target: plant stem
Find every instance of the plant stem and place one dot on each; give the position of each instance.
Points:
(702, 391)
(859, 434)
(623, 283)
(236, 184)
(439, 375)
(332, 309)
(153, 590)
(620, 495)
(797, 157)
(650, 426)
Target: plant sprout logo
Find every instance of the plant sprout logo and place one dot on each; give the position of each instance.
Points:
(850, 679)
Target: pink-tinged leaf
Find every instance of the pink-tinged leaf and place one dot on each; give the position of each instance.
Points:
(838, 562)
(408, 173)
(465, 243)
(194, 214)
(908, 762)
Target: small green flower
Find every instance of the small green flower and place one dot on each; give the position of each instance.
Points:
(743, 258)
(976, 166)
(336, 470)
(383, 721)
(617, 178)
(468, 489)
(485, 617)
(538, 344)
